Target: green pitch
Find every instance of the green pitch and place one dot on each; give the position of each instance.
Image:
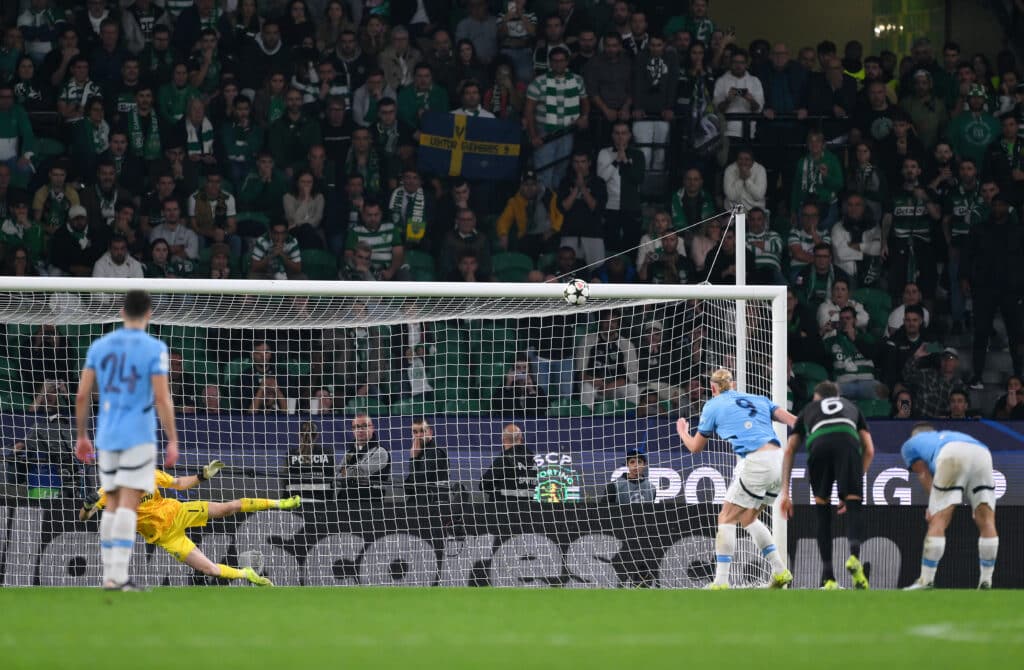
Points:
(300, 629)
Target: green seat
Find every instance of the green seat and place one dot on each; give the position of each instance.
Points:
(463, 406)
(873, 299)
(810, 372)
(568, 407)
(875, 408)
(413, 407)
(511, 266)
(613, 408)
(319, 265)
(47, 147)
(363, 405)
(422, 274)
(419, 261)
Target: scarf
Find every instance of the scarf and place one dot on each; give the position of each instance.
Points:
(55, 210)
(144, 145)
(80, 236)
(387, 139)
(108, 204)
(99, 138)
(199, 140)
(370, 172)
(276, 109)
(656, 69)
(498, 101)
(810, 175)
(411, 214)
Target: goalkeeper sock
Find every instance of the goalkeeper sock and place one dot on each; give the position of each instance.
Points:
(106, 543)
(122, 540)
(824, 513)
(725, 547)
(988, 547)
(764, 541)
(259, 504)
(934, 547)
(228, 572)
(854, 532)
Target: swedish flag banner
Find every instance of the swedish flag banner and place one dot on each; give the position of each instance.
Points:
(454, 145)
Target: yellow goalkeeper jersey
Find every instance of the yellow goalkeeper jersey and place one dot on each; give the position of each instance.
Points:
(155, 513)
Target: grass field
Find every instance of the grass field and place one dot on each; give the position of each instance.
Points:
(301, 628)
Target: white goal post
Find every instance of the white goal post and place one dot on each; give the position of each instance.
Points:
(455, 356)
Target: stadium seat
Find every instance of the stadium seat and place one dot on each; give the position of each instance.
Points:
(463, 406)
(511, 266)
(613, 408)
(319, 265)
(420, 262)
(568, 407)
(363, 405)
(413, 407)
(875, 408)
(812, 373)
(877, 303)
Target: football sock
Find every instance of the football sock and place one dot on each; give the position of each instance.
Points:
(934, 547)
(228, 572)
(988, 547)
(824, 513)
(766, 543)
(106, 542)
(259, 504)
(122, 540)
(725, 547)
(854, 527)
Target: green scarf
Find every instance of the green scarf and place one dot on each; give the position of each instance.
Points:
(146, 146)
(199, 140)
(276, 110)
(99, 138)
(55, 210)
(370, 173)
(387, 139)
(415, 223)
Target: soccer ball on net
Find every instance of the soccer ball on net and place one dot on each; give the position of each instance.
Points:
(576, 292)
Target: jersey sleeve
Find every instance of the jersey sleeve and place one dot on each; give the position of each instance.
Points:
(862, 422)
(800, 427)
(90, 357)
(909, 452)
(160, 363)
(772, 407)
(164, 480)
(706, 426)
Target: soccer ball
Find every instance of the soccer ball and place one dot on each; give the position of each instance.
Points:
(576, 292)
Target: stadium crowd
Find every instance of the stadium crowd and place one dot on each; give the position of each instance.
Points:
(272, 139)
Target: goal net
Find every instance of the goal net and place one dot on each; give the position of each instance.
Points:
(438, 434)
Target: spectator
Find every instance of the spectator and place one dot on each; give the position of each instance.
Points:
(533, 211)
(442, 60)
(785, 84)
(832, 94)
(465, 239)
(516, 30)
(1004, 160)
(926, 111)
(907, 239)
(384, 238)
(262, 56)
(691, 204)
(902, 344)
(116, 263)
(212, 213)
(660, 366)
(874, 118)
(481, 29)
(556, 104)
(304, 211)
(30, 90)
(903, 407)
(609, 86)
(694, 95)
(242, 140)
(18, 230)
(39, 25)
(667, 265)
(553, 38)
(276, 255)
(398, 59)
(184, 243)
(650, 243)
(634, 486)
(366, 466)
(107, 55)
(963, 209)
(959, 407)
(1010, 405)
(621, 167)
(803, 239)
(351, 65)
(139, 21)
(519, 393)
(911, 295)
(828, 311)
(901, 144)
(513, 474)
(373, 36)
(366, 161)
(428, 461)
(77, 91)
(261, 385)
(766, 246)
(866, 180)
(52, 203)
(638, 38)
(175, 95)
(161, 265)
(470, 98)
(413, 210)
(655, 78)
(393, 141)
(17, 140)
(367, 98)
(290, 137)
(722, 269)
(264, 188)
(814, 283)
(857, 242)
(120, 94)
(297, 29)
(506, 98)
(206, 63)
(709, 239)
(421, 97)
(145, 136)
(931, 386)
(818, 177)
(90, 138)
(75, 246)
(803, 340)
(310, 468)
(220, 262)
(157, 59)
(745, 182)
(971, 132)
(924, 59)
(738, 92)
(44, 453)
(582, 196)
(608, 364)
(852, 351)
(103, 196)
(994, 281)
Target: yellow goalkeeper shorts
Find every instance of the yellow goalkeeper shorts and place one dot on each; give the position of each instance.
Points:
(190, 515)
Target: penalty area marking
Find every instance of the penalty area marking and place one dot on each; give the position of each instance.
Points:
(1001, 632)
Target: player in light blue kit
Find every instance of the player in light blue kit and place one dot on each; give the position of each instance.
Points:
(131, 370)
(952, 465)
(745, 421)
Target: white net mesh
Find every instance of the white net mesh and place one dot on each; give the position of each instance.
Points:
(526, 409)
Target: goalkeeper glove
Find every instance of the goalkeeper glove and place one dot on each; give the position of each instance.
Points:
(210, 471)
(89, 506)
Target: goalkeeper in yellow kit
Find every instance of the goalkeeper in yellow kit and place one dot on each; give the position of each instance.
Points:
(163, 521)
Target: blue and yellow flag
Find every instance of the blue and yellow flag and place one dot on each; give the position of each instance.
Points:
(468, 146)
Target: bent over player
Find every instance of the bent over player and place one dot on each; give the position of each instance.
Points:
(840, 451)
(952, 465)
(745, 421)
(163, 521)
(131, 370)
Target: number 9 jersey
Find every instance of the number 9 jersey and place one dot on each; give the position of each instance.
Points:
(743, 419)
(124, 362)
